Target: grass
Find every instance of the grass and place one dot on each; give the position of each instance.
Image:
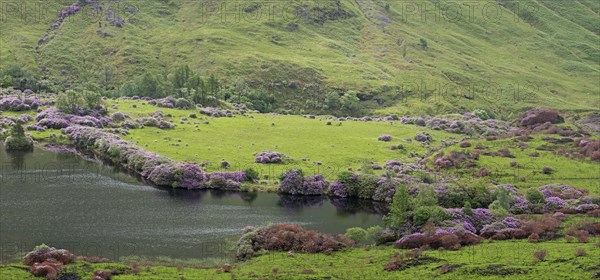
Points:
(236, 139)
(548, 59)
(582, 173)
(489, 260)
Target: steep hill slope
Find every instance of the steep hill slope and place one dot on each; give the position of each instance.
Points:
(399, 56)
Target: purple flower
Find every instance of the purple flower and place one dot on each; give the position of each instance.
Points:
(190, 176)
(553, 203)
(385, 138)
(386, 188)
(337, 189)
(587, 207)
(266, 157)
(561, 190)
(314, 185)
(519, 205)
(238, 176)
(291, 182)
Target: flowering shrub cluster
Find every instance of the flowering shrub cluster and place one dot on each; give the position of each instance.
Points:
(155, 168)
(47, 261)
(293, 182)
(17, 104)
(455, 160)
(439, 239)
(539, 116)
(337, 189)
(267, 157)
(155, 121)
(169, 102)
(218, 113)
(288, 237)
(469, 124)
(385, 138)
(588, 148)
(118, 116)
(423, 137)
(71, 10)
(561, 191)
(53, 119)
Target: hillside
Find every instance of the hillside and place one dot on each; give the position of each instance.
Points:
(502, 56)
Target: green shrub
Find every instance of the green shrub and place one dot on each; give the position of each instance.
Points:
(252, 175)
(482, 114)
(366, 186)
(433, 214)
(399, 209)
(534, 196)
(357, 234)
(17, 140)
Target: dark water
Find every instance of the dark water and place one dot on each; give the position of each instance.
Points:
(64, 201)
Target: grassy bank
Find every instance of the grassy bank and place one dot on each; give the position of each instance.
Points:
(490, 260)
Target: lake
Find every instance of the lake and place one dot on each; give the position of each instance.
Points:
(92, 209)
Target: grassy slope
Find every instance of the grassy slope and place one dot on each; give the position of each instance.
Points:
(556, 52)
(362, 263)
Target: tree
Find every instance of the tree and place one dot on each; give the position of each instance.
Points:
(17, 141)
(332, 101)
(91, 98)
(426, 197)
(181, 77)
(349, 102)
(213, 86)
(149, 86)
(70, 102)
(401, 206)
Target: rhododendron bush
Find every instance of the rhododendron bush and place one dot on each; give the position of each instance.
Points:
(152, 167)
(288, 237)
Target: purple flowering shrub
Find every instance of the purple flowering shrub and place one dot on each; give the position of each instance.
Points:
(469, 124)
(288, 237)
(266, 157)
(156, 169)
(385, 138)
(71, 10)
(17, 104)
(561, 191)
(337, 189)
(554, 203)
(293, 182)
(189, 176)
(238, 176)
(118, 116)
(314, 185)
(386, 188)
(218, 113)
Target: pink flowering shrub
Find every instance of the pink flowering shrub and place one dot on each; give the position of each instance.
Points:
(18, 104)
(152, 167)
(337, 189)
(385, 138)
(561, 191)
(293, 182)
(267, 157)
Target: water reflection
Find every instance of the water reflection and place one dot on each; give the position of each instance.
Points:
(299, 202)
(346, 206)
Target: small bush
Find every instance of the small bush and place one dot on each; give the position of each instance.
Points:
(252, 175)
(540, 255)
(356, 234)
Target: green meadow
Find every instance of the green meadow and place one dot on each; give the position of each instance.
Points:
(489, 260)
